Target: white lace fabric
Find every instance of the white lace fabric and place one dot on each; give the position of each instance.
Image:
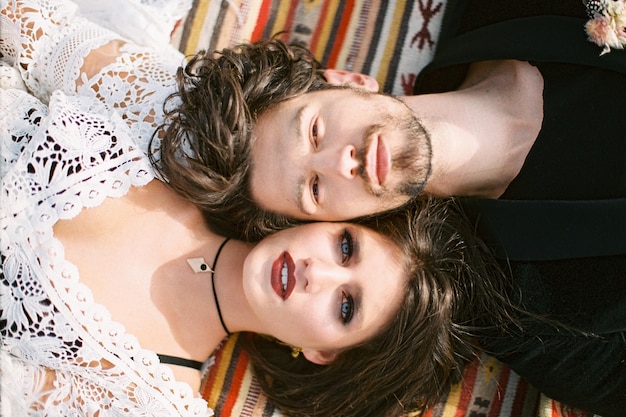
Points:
(47, 42)
(61, 353)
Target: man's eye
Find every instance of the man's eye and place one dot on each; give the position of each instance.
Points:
(315, 189)
(314, 133)
(347, 308)
(347, 246)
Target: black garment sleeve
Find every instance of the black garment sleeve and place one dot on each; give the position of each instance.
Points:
(586, 373)
(581, 362)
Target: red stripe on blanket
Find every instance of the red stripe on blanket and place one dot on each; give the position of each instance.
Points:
(261, 21)
(209, 380)
(293, 6)
(346, 17)
(503, 381)
(318, 32)
(235, 385)
(520, 395)
(467, 388)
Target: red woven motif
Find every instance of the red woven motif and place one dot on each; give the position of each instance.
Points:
(424, 34)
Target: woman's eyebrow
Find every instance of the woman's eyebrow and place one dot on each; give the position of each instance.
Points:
(359, 312)
(357, 250)
(357, 245)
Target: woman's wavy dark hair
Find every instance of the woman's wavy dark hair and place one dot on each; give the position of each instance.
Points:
(205, 141)
(453, 284)
(204, 155)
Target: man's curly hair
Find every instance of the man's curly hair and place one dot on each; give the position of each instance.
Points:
(206, 139)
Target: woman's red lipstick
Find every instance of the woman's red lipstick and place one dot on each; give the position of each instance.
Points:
(282, 276)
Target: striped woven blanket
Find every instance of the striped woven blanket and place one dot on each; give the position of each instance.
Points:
(392, 41)
(488, 389)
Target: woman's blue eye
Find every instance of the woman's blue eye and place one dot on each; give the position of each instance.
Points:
(347, 308)
(346, 246)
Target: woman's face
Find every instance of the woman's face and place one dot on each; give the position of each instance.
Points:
(324, 286)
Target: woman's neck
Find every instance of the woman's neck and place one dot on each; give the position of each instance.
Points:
(195, 319)
(183, 297)
(229, 287)
(482, 132)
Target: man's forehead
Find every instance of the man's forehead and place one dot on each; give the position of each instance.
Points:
(344, 90)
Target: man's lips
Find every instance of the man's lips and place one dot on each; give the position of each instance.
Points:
(282, 275)
(378, 161)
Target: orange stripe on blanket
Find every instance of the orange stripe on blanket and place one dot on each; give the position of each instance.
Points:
(338, 41)
(467, 388)
(261, 21)
(456, 395)
(354, 37)
(324, 28)
(288, 25)
(208, 383)
(235, 386)
(215, 384)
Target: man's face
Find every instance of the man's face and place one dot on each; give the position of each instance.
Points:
(337, 154)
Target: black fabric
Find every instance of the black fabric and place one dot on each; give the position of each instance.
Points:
(584, 371)
(541, 230)
(176, 360)
(579, 156)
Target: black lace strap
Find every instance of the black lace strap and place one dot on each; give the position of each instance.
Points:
(175, 360)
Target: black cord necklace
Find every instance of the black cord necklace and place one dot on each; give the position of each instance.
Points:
(199, 265)
(217, 303)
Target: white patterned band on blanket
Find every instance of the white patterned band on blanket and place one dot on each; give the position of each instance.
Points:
(391, 41)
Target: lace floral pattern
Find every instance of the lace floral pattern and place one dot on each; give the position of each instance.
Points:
(57, 159)
(152, 79)
(48, 45)
(79, 155)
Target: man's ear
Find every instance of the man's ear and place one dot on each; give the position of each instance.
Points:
(354, 79)
(320, 357)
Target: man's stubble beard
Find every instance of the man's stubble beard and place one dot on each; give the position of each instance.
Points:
(412, 163)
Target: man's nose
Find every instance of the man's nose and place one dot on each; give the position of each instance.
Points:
(342, 162)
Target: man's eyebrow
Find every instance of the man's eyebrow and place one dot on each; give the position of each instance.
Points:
(301, 187)
(300, 190)
(297, 120)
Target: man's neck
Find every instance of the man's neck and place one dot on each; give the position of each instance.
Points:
(482, 132)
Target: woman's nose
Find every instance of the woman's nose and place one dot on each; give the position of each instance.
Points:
(320, 275)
